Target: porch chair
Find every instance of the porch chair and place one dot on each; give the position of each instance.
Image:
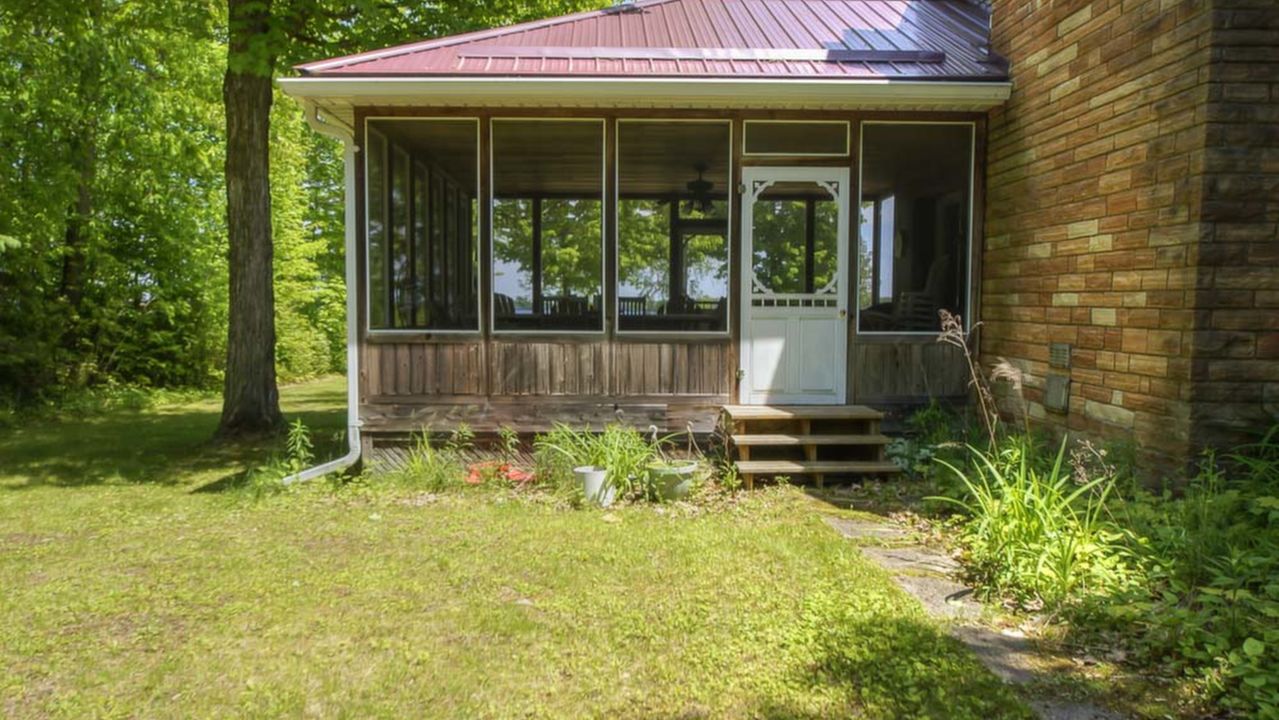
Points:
(632, 306)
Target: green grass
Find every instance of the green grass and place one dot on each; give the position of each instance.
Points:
(128, 593)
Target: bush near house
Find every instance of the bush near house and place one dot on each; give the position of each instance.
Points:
(1185, 582)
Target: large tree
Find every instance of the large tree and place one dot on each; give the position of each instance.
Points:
(262, 36)
(251, 401)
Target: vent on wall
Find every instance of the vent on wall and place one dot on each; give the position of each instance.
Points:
(1059, 355)
(1057, 393)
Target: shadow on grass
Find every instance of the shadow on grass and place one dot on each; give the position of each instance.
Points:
(889, 666)
(227, 483)
(163, 446)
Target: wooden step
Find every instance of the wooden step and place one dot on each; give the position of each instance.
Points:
(802, 412)
(780, 440)
(816, 467)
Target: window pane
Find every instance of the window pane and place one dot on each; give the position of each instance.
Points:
(673, 226)
(548, 186)
(913, 238)
(765, 137)
(794, 239)
(409, 227)
(375, 172)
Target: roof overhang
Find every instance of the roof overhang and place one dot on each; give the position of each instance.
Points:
(339, 96)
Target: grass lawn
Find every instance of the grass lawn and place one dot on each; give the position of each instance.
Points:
(125, 590)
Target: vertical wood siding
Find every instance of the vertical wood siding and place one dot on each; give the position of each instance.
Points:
(531, 368)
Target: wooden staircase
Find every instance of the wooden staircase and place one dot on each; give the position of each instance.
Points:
(808, 440)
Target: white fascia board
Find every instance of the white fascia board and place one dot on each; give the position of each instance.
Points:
(862, 93)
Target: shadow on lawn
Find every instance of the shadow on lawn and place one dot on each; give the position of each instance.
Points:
(165, 446)
(890, 666)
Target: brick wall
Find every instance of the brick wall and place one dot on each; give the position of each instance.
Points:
(1122, 220)
(1235, 361)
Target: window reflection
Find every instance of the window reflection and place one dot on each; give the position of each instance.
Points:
(913, 225)
(421, 177)
(547, 225)
(673, 265)
(794, 238)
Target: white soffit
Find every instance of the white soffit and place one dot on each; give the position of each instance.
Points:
(339, 96)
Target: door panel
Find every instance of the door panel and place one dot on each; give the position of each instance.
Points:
(767, 344)
(795, 288)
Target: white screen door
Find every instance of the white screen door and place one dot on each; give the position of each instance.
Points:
(795, 286)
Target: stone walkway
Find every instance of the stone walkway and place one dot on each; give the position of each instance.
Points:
(928, 575)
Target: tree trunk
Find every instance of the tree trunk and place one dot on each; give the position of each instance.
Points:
(71, 288)
(250, 400)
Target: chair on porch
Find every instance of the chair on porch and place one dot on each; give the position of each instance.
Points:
(564, 305)
(632, 306)
(503, 305)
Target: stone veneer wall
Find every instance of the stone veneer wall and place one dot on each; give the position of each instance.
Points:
(1133, 188)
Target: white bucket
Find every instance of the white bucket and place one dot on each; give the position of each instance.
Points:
(594, 485)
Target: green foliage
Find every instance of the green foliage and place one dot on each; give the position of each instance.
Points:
(621, 451)
(1186, 581)
(112, 197)
(1034, 534)
(779, 259)
(1211, 606)
(110, 192)
(461, 439)
(509, 441)
(431, 468)
(298, 454)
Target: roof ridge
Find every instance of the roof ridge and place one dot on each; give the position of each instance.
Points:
(448, 40)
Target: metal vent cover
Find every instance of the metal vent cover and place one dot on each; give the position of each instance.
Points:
(1059, 355)
(1057, 393)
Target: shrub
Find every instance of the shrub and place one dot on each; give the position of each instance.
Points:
(1035, 534)
(1212, 556)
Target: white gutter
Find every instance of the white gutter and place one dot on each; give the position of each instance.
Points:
(759, 93)
(329, 127)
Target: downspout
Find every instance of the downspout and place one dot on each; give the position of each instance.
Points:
(331, 128)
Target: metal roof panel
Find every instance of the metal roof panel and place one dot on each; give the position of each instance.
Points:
(906, 39)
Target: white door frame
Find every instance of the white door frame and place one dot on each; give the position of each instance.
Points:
(836, 180)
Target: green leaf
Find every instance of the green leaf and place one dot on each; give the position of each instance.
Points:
(1254, 647)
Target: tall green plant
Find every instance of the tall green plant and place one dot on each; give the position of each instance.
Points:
(1035, 534)
(622, 452)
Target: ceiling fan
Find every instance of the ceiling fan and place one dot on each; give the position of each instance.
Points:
(700, 192)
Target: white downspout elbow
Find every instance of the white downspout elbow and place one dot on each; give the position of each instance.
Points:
(352, 456)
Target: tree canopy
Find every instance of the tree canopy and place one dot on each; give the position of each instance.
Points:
(113, 229)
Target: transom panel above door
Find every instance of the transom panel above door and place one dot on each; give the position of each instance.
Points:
(795, 285)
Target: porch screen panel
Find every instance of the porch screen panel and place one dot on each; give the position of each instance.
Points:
(914, 225)
(548, 234)
(375, 181)
(402, 282)
(672, 226)
(421, 260)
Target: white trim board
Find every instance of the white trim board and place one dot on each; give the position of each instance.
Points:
(341, 95)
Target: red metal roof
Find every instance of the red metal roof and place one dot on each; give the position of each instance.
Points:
(900, 39)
